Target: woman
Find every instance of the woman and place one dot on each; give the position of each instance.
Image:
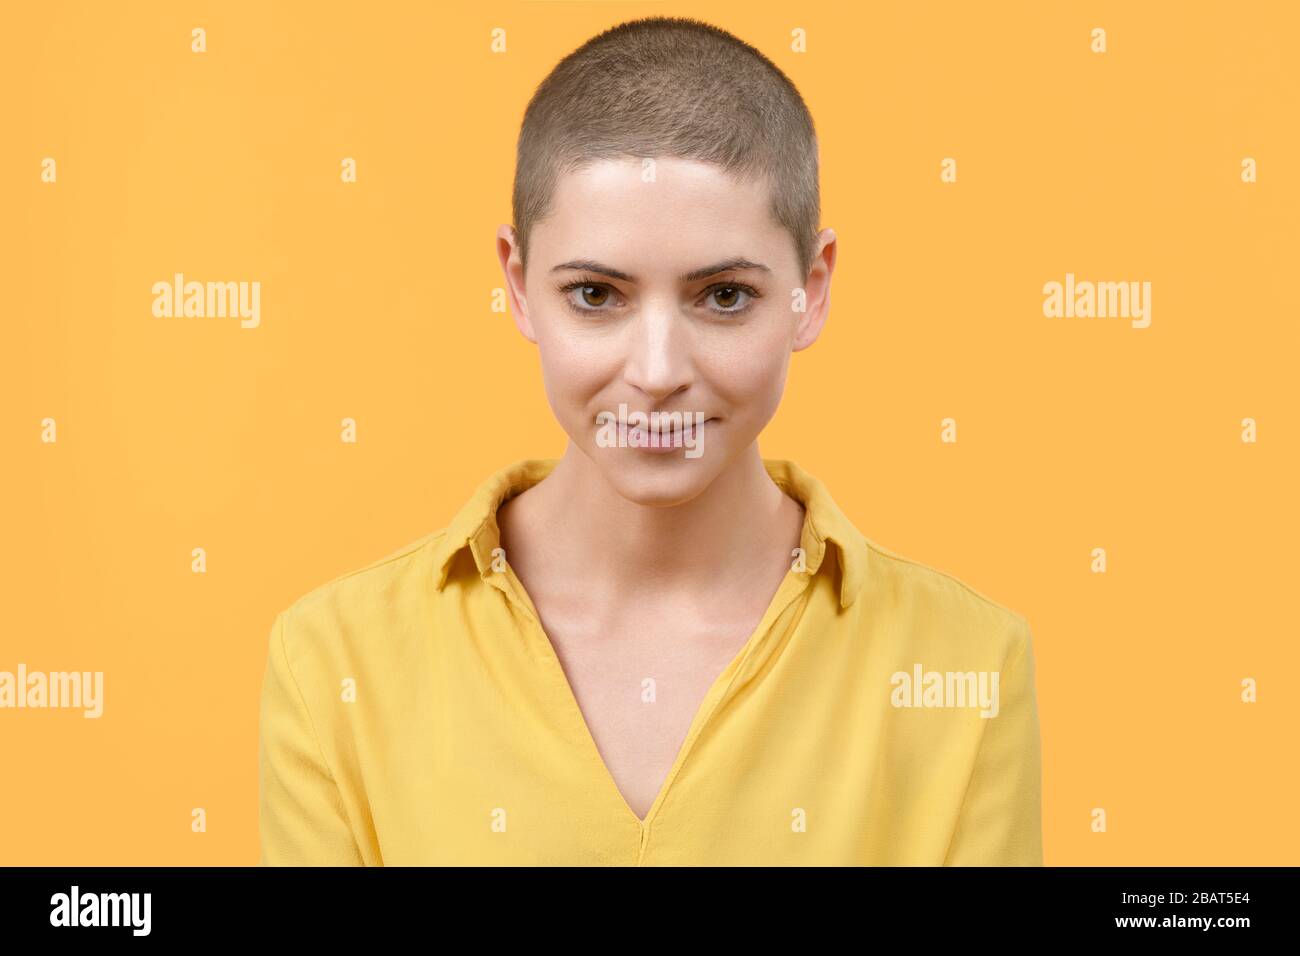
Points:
(660, 648)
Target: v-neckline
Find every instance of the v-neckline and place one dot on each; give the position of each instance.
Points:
(792, 584)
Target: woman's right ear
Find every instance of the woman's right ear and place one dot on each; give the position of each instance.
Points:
(513, 268)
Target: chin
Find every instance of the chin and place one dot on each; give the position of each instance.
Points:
(658, 481)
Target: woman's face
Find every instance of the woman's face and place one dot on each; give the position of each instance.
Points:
(664, 289)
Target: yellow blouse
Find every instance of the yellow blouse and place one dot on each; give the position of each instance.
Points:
(414, 712)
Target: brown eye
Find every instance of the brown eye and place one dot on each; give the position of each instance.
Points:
(722, 294)
(594, 295)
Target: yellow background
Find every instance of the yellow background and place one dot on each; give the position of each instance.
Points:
(1073, 433)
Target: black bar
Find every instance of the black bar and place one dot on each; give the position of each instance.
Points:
(330, 905)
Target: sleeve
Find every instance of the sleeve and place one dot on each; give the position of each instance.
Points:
(301, 817)
(1000, 823)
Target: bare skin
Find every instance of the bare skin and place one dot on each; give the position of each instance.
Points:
(627, 594)
(646, 565)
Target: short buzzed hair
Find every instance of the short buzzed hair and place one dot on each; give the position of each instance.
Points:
(671, 86)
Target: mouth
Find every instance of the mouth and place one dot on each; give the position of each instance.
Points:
(666, 437)
(669, 437)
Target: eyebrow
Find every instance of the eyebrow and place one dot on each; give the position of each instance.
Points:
(736, 263)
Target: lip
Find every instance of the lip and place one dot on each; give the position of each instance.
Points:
(665, 446)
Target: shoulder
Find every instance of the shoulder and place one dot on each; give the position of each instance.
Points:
(940, 608)
(373, 599)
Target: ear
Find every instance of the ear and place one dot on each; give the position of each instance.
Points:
(817, 291)
(513, 268)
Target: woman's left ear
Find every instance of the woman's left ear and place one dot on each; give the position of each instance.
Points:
(816, 292)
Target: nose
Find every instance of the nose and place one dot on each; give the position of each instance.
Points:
(658, 360)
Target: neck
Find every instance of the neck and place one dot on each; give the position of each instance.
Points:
(741, 522)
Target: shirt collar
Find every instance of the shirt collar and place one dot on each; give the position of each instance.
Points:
(475, 525)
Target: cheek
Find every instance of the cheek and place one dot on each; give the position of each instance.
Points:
(572, 369)
(750, 372)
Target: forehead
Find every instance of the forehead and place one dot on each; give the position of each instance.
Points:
(665, 217)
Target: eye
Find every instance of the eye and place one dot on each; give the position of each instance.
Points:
(593, 292)
(731, 297)
(583, 295)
